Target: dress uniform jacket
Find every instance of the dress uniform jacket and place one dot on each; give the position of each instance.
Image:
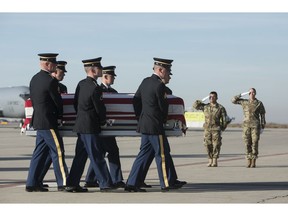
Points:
(46, 100)
(151, 106)
(62, 88)
(105, 89)
(90, 108)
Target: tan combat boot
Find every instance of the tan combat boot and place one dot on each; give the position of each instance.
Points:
(209, 162)
(253, 164)
(249, 161)
(214, 162)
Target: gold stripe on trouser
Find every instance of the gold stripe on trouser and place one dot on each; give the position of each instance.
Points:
(59, 153)
(163, 161)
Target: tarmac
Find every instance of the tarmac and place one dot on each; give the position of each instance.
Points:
(229, 183)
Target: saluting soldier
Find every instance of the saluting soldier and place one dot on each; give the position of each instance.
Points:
(254, 121)
(109, 142)
(151, 108)
(215, 122)
(91, 115)
(47, 112)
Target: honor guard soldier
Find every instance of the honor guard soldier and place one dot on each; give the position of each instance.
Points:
(91, 115)
(172, 175)
(215, 122)
(151, 108)
(254, 121)
(48, 109)
(109, 143)
(58, 74)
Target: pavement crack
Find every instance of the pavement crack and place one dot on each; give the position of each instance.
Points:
(272, 198)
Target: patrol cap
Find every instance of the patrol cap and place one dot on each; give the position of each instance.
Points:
(166, 63)
(96, 62)
(51, 57)
(109, 70)
(61, 65)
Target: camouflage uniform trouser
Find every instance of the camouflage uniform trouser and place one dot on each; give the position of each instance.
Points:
(251, 136)
(212, 142)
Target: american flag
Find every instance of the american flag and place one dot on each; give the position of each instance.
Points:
(121, 119)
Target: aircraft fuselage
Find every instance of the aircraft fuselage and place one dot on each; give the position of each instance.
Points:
(12, 101)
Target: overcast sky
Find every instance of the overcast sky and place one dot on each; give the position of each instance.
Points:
(224, 52)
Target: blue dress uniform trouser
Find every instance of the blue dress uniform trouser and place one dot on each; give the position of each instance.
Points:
(48, 144)
(172, 175)
(109, 145)
(150, 143)
(89, 145)
(46, 167)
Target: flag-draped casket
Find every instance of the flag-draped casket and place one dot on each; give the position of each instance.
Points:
(121, 120)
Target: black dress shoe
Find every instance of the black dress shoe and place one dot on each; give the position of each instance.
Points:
(165, 189)
(107, 189)
(175, 186)
(35, 189)
(61, 188)
(131, 188)
(91, 184)
(76, 189)
(144, 185)
(180, 182)
(120, 184)
(45, 185)
(171, 187)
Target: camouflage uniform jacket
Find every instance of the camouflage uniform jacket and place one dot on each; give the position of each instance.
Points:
(215, 115)
(254, 111)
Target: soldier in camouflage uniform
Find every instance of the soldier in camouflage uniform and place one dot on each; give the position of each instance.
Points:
(254, 121)
(215, 122)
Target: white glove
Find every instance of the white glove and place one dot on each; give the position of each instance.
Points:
(23, 130)
(110, 122)
(205, 98)
(60, 123)
(244, 93)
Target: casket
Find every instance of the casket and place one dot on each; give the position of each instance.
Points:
(121, 119)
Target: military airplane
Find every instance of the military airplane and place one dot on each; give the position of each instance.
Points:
(12, 101)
